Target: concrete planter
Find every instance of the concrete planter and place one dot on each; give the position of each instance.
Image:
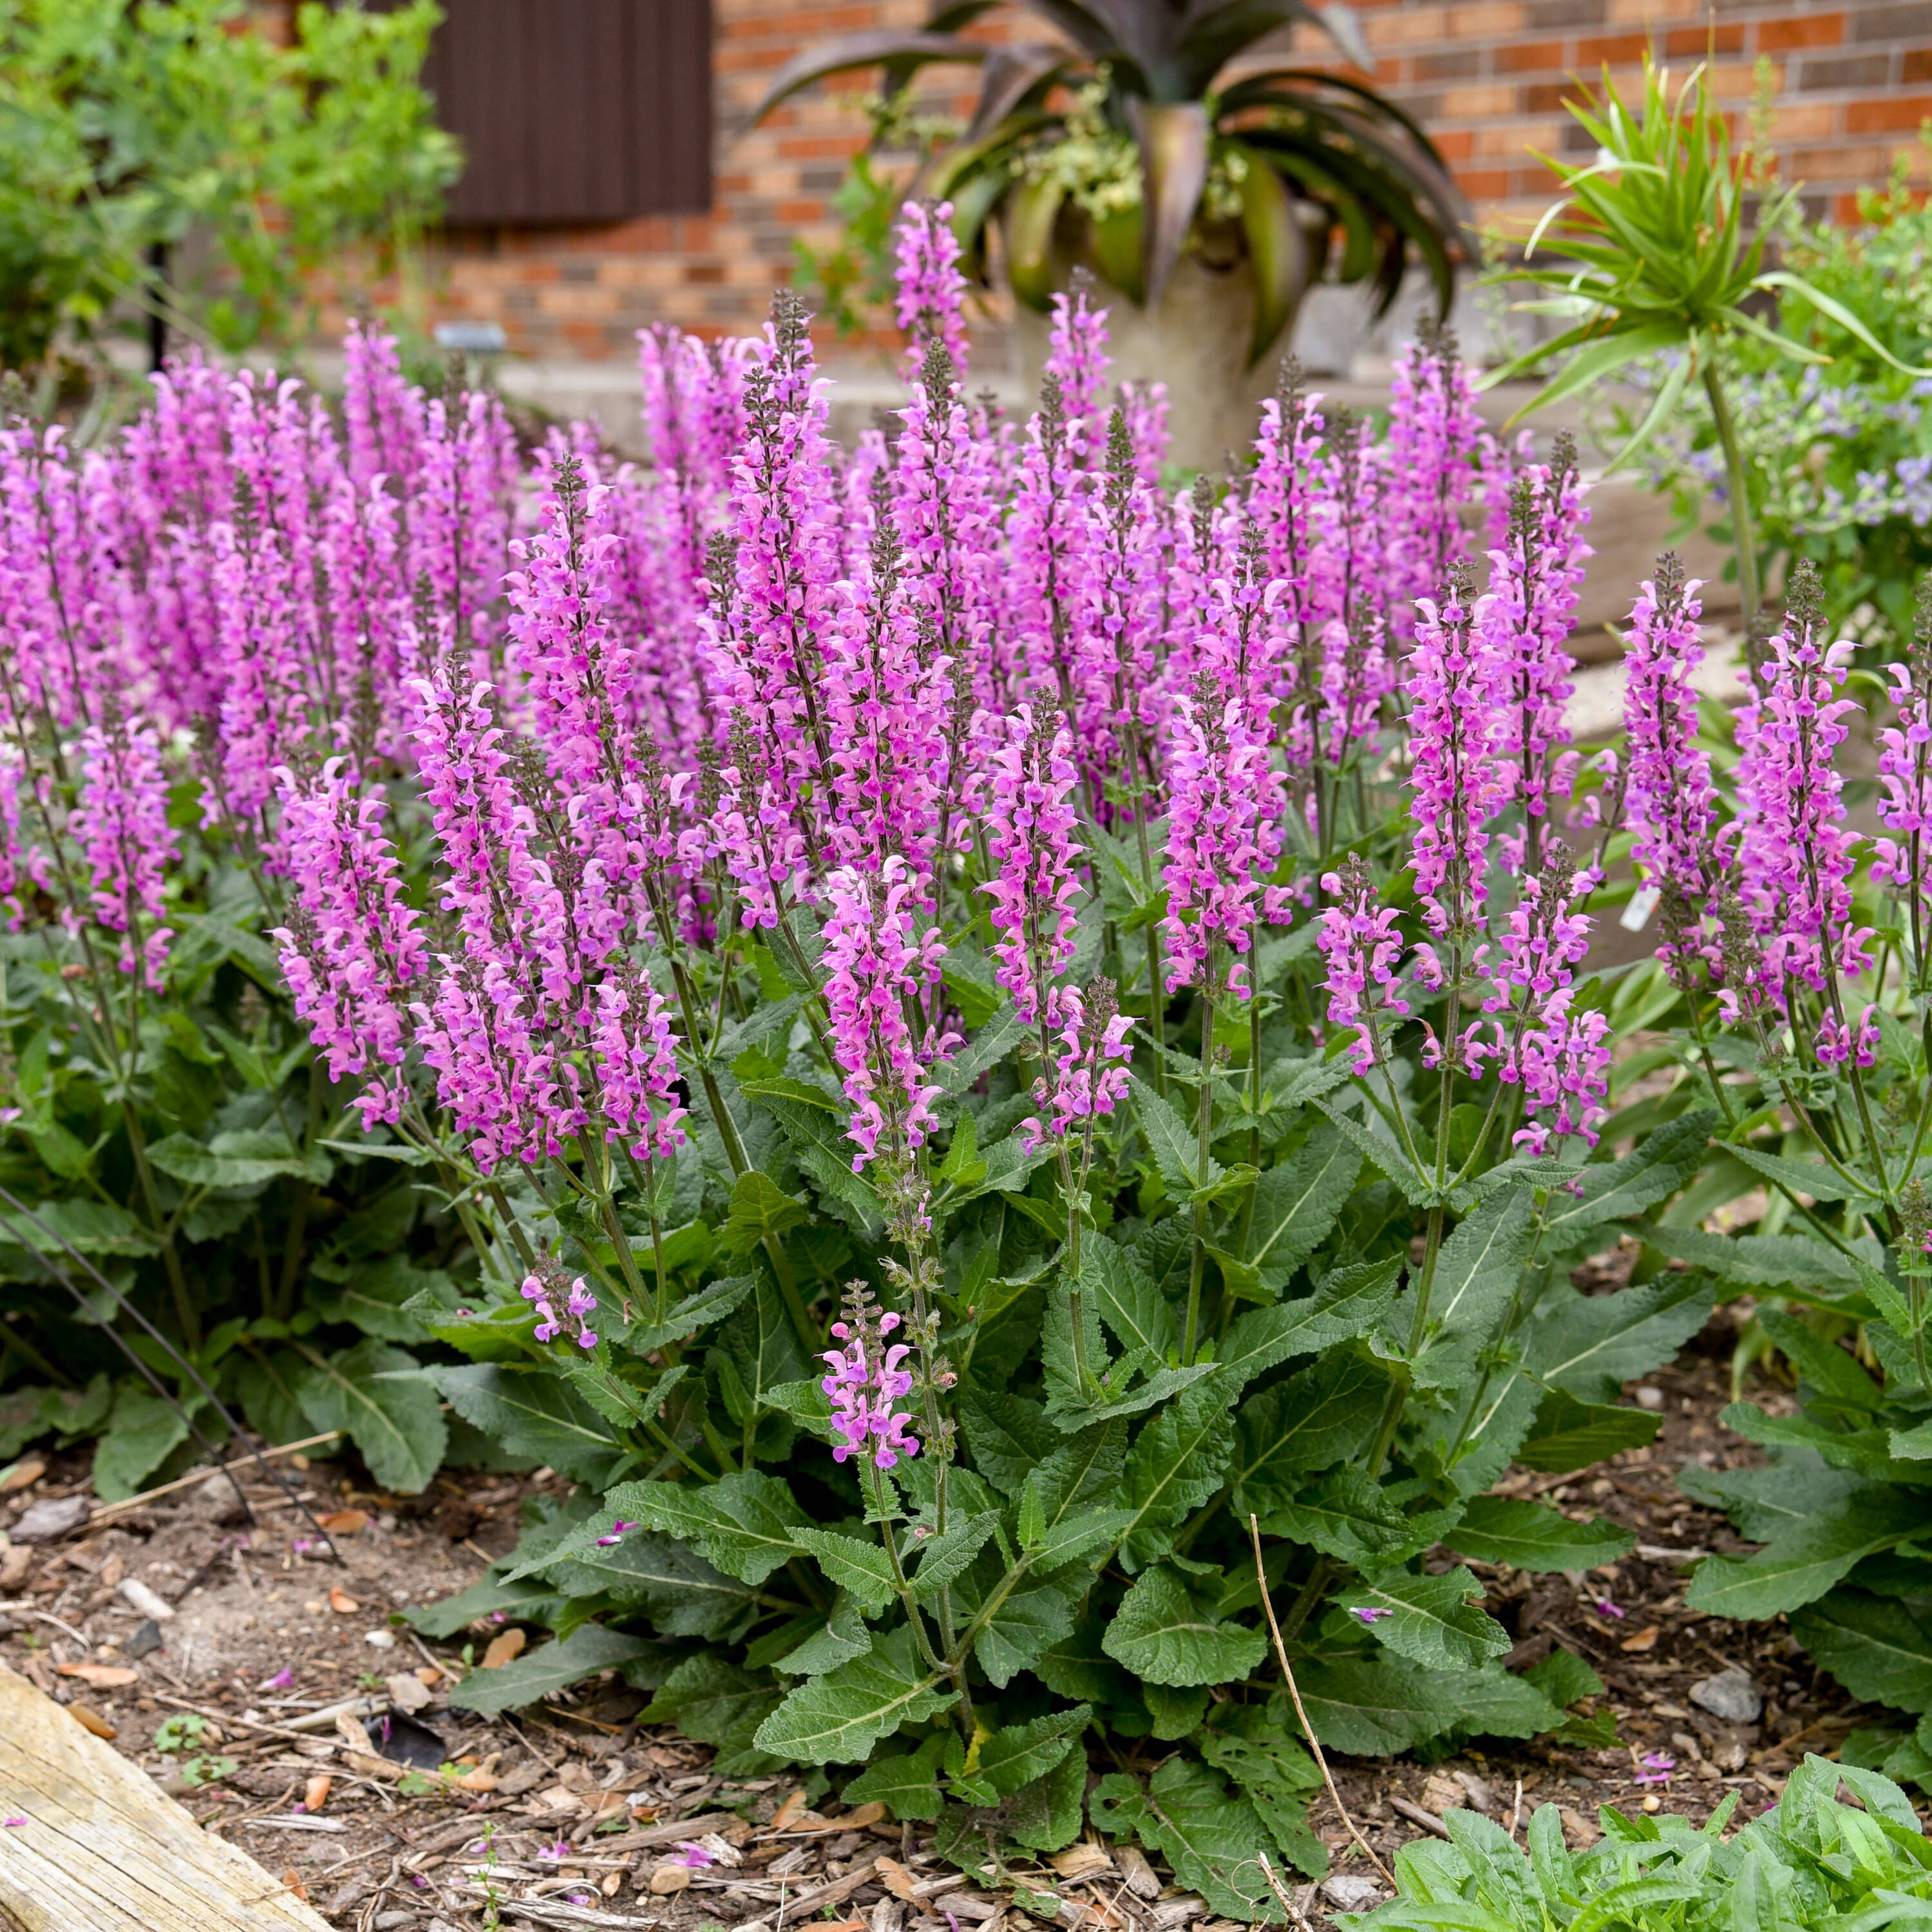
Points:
(1195, 341)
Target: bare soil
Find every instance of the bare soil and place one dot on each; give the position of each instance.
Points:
(572, 1813)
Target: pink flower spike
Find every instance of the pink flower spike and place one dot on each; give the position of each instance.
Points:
(1370, 1614)
(1605, 1608)
(695, 1854)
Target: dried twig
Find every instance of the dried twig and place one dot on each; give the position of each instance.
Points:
(1283, 1897)
(108, 1511)
(1416, 1815)
(1516, 1811)
(1308, 1729)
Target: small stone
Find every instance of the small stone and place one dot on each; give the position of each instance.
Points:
(150, 1603)
(1651, 1398)
(392, 1922)
(1348, 1892)
(672, 1876)
(50, 1517)
(379, 1640)
(408, 1692)
(218, 1500)
(1481, 1797)
(1730, 1695)
(146, 1638)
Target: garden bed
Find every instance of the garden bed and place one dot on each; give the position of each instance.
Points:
(250, 1606)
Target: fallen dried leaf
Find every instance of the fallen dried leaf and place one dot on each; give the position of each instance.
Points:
(430, 1675)
(344, 1522)
(292, 1880)
(477, 1781)
(102, 1676)
(1082, 1861)
(503, 1646)
(1645, 1640)
(857, 1820)
(613, 1884)
(89, 1719)
(315, 1793)
(341, 1602)
(21, 1474)
(790, 1812)
(408, 1692)
(898, 1881)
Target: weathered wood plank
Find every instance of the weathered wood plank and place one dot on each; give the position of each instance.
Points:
(103, 1848)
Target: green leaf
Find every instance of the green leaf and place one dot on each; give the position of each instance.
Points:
(235, 1160)
(1476, 1276)
(1531, 1536)
(1174, 1143)
(711, 1302)
(1027, 1624)
(1044, 1814)
(1209, 1835)
(1176, 1465)
(942, 1558)
(141, 1431)
(746, 1524)
(376, 1296)
(551, 1667)
(1803, 1562)
(1346, 1304)
(533, 1413)
(906, 1783)
(839, 1717)
(764, 1347)
(1758, 1261)
(526, 1602)
(1007, 1434)
(1565, 1678)
(1416, 1188)
(1878, 1650)
(1124, 1296)
(685, 1596)
(1810, 1177)
(373, 1394)
(1492, 1703)
(1615, 1189)
(1016, 1754)
(1296, 1204)
(760, 1210)
(1763, 1504)
(1592, 1344)
(1168, 1631)
(837, 1639)
(1375, 1708)
(1324, 1414)
(90, 1227)
(718, 1702)
(1570, 1435)
(1348, 1515)
(864, 1569)
(1434, 1623)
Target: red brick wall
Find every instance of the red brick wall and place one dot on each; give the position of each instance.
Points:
(1851, 79)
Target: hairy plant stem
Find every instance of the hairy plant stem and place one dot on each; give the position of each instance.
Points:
(1203, 1134)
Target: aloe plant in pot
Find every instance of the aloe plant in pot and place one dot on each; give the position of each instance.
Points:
(1208, 184)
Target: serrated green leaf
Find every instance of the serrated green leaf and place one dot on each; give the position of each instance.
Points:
(839, 1717)
(1476, 1277)
(1008, 1436)
(906, 1783)
(1168, 1631)
(943, 1558)
(685, 1596)
(1296, 1204)
(711, 1302)
(396, 1425)
(1026, 1624)
(1208, 1834)
(375, 1297)
(1176, 1465)
(1346, 1304)
(141, 1431)
(1375, 1708)
(529, 1411)
(718, 1702)
(1801, 1563)
(1570, 1435)
(746, 1524)
(1531, 1536)
(1125, 1297)
(1323, 1415)
(1016, 1754)
(551, 1667)
(235, 1160)
(1174, 1143)
(1591, 1345)
(1493, 1703)
(863, 1569)
(1348, 1515)
(1434, 1623)
(1810, 1177)
(760, 1210)
(1758, 1261)
(1877, 1649)
(1415, 1187)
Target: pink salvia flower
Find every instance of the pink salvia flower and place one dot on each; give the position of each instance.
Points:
(1670, 803)
(1359, 941)
(636, 1053)
(878, 968)
(1433, 432)
(120, 822)
(930, 295)
(1090, 1070)
(1031, 823)
(1905, 776)
(865, 1382)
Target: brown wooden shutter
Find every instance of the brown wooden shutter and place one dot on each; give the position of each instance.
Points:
(575, 110)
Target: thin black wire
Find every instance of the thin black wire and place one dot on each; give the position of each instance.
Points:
(155, 1380)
